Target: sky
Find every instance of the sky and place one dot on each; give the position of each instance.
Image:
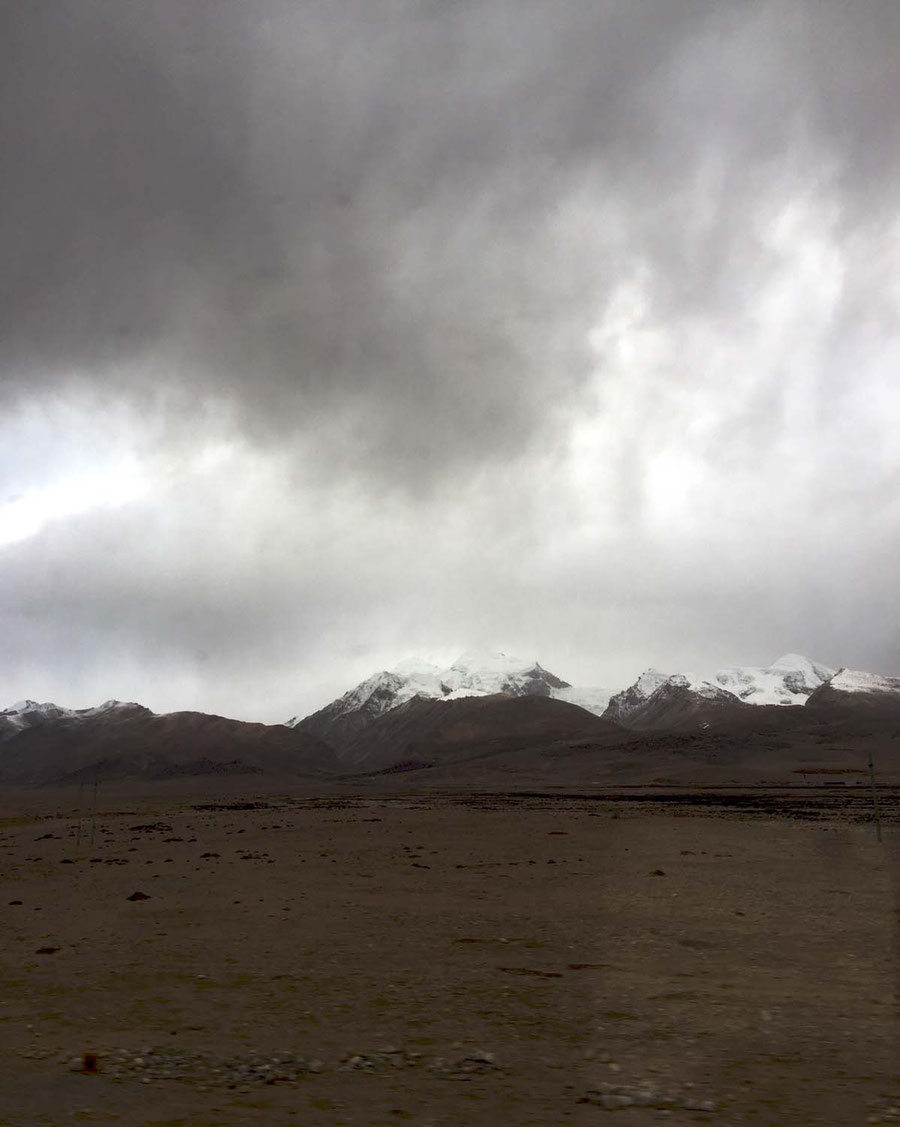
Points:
(337, 332)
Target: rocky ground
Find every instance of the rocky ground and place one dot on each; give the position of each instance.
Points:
(456, 960)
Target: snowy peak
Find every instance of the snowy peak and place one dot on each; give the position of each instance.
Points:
(36, 708)
(473, 674)
(797, 662)
(649, 681)
(30, 714)
(854, 681)
(855, 690)
(490, 663)
(55, 711)
(622, 704)
(34, 714)
(787, 681)
(483, 674)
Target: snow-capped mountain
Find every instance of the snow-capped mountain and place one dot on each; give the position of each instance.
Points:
(788, 681)
(854, 681)
(474, 674)
(32, 714)
(657, 701)
(622, 704)
(851, 689)
(43, 743)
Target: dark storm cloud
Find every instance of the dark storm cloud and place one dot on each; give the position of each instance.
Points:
(609, 284)
(357, 211)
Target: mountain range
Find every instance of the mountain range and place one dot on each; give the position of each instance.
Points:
(44, 743)
(487, 716)
(655, 700)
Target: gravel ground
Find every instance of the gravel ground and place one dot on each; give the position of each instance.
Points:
(465, 962)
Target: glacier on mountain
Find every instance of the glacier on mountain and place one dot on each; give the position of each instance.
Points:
(855, 681)
(473, 674)
(788, 681)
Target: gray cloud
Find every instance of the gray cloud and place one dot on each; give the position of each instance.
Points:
(564, 327)
(345, 209)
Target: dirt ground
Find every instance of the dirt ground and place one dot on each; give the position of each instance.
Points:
(445, 961)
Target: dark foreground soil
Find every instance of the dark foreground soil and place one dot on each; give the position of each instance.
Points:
(447, 960)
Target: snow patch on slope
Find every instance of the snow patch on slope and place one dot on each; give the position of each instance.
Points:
(591, 700)
(855, 681)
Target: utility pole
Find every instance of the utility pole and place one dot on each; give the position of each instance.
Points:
(874, 796)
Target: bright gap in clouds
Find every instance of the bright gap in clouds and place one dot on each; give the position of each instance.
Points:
(110, 488)
(111, 485)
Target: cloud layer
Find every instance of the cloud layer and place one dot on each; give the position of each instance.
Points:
(332, 332)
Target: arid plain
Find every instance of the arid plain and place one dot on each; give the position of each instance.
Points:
(446, 959)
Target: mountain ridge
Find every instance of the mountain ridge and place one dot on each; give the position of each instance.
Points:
(482, 708)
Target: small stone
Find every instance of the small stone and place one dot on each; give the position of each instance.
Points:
(700, 1105)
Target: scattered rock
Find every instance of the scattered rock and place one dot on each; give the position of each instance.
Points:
(378, 1061)
(644, 1094)
(473, 1063)
(138, 896)
(700, 1105)
(155, 1065)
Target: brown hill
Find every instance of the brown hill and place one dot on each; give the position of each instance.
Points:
(429, 731)
(513, 743)
(828, 699)
(132, 742)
